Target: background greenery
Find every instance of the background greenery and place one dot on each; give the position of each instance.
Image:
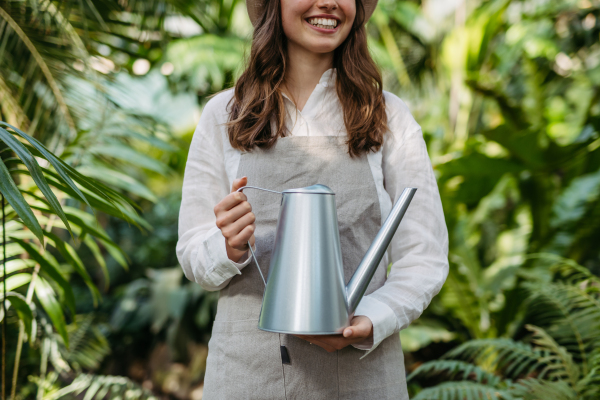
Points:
(507, 95)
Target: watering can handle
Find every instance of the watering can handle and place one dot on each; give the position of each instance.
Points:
(250, 246)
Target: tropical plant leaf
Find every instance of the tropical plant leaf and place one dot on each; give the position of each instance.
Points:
(57, 163)
(18, 265)
(456, 370)
(36, 173)
(96, 387)
(52, 270)
(70, 255)
(15, 199)
(462, 390)
(536, 389)
(47, 298)
(119, 180)
(559, 363)
(569, 313)
(22, 308)
(95, 250)
(88, 346)
(511, 358)
(16, 281)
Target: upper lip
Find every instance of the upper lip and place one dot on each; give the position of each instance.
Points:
(329, 16)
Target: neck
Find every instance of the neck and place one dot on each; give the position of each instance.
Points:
(303, 71)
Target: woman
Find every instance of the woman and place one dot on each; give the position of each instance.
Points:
(308, 109)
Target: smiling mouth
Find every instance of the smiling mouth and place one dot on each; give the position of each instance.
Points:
(323, 23)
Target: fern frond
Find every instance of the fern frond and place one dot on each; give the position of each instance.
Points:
(462, 390)
(454, 369)
(87, 345)
(96, 387)
(570, 314)
(536, 389)
(514, 359)
(589, 386)
(559, 363)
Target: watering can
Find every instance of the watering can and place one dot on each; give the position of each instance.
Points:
(305, 291)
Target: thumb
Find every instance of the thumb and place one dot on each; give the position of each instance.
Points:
(238, 183)
(359, 327)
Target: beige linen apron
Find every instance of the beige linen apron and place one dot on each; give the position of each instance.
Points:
(245, 362)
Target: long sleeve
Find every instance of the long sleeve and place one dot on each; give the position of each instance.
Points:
(419, 249)
(201, 247)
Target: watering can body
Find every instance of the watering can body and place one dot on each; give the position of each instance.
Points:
(305, 291)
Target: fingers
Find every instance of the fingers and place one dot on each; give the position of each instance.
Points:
(240, 240)
(324, 345)
(230, 201)
(235, 219)
(318, 341)
(232, 221)
(238, 183)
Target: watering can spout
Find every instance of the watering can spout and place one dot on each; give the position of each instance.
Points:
(366, 269)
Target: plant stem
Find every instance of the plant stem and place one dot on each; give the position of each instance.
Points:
(3, 302)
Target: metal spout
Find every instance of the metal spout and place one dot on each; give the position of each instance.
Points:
(366, 269)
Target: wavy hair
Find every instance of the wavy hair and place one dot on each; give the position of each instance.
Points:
(258, 98)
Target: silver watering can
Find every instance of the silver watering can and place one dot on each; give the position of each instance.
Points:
(305, 291)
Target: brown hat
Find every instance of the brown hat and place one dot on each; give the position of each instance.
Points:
(255, 7)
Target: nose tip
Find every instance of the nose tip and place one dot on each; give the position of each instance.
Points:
(327, 4)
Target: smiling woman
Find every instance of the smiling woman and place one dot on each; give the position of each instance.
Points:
(308, 109)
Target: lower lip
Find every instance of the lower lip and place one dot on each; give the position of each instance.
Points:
(323, 30)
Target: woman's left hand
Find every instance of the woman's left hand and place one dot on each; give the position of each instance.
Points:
(360, 328)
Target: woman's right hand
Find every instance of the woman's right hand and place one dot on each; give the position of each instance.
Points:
(235, 219)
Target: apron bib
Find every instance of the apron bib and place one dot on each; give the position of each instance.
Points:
(245, 362)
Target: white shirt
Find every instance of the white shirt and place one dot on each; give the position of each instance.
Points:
(418, 252)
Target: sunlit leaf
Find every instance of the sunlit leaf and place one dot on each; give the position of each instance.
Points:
(47, 298)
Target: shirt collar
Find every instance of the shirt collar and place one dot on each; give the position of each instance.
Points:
(328, 77)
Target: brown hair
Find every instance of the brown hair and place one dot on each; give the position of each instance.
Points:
(258, 98)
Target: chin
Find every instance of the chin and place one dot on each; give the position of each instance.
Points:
(321, 48)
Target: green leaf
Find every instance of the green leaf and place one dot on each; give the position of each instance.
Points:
(19, 264)
(24, 311)
(119, 180)
(130, 155)
(92, 185)
(16, 281)
(47, 298)
(93, 247)
(73, 259)
(462, 390)
(56, 162)
(18, 203)
(52, 270)
(36, 173)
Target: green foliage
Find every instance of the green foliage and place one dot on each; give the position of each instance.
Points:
(507, 95)
(557, 361)
(98, 387)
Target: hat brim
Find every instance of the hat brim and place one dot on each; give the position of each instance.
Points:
(256, 6)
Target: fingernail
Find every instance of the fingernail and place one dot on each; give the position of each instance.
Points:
(347, 332)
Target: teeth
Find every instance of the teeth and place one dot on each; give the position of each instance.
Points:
(323, 22)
